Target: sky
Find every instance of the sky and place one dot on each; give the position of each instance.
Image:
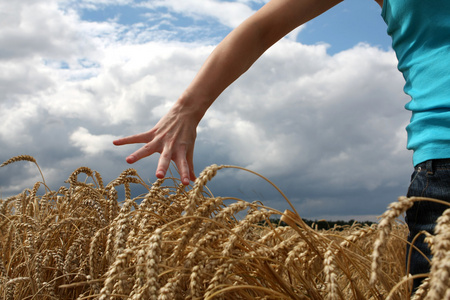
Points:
(321, 113)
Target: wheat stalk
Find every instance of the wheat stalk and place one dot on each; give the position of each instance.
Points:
(440, 265)
(23, 158)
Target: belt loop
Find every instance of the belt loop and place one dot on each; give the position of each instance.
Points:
(429, 166)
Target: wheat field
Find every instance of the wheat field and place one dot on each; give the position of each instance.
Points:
(176, 242)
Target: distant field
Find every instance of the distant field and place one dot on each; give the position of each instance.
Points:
(82, 242)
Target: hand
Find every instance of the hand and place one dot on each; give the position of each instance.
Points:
(173, 137)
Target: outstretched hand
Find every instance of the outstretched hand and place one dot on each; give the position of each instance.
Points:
(173, 137)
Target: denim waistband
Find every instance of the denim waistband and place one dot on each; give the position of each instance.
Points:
(431, 165)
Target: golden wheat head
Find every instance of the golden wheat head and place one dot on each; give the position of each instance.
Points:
(18, 158)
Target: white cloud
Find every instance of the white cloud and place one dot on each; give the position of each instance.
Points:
(94, 4)
(91, 144)
(228, 13)
(15, 118)
(38, 28)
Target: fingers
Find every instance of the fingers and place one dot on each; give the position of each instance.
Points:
(190, 161)
(183, 168)
(183, 161)
(134, 139)
(174, 143)
(146, 150)
(180, 158)
(163, 164)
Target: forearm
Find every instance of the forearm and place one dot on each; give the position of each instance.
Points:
(244, 45)
(230, 59)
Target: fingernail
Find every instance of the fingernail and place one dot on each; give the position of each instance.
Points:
(160, 174)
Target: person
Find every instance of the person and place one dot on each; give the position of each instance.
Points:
(420, 32)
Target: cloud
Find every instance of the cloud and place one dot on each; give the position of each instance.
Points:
(38, 29)
(328, 129)
(329, 111)
(89, 143)
(14, 122)
(97, 4)
(228, 13)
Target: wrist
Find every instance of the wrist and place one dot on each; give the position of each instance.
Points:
(194, 105)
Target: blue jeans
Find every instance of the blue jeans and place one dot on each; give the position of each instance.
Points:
(430, 179)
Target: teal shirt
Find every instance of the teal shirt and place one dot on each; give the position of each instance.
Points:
(420, 31)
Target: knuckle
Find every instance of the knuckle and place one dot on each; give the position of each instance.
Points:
(148, 147)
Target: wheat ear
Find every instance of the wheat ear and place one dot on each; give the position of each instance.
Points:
(24, 158)
(384, 229)
(440, 264)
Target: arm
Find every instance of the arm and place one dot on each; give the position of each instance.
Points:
(174, 135)
(245, 44)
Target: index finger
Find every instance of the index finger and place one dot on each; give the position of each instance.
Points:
(146, 150)
(134, 139)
